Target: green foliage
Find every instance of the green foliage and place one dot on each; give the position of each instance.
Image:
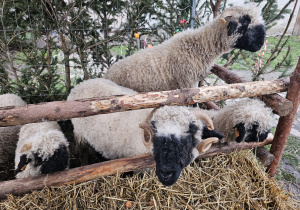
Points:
(278, 55)
(39, 81)
(88, 35)
(5, 84)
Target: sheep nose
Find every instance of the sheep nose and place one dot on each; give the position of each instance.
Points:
(166, 174)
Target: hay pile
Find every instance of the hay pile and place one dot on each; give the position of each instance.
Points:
(235, 181)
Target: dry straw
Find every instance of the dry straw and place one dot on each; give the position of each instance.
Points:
(235, 181)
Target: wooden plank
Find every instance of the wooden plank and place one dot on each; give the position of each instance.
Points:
(61, 110)
(89, 172)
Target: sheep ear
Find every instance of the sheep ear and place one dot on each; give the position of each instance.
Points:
(204, 145)
(148, 135)
(223, 21)
(26, 147)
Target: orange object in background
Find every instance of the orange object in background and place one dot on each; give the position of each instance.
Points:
(150, 45)
(137, 35)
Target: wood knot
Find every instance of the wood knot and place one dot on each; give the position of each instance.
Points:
(9, 118)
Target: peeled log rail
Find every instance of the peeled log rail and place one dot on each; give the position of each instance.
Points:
(61, 110)
(89, 172)
(264, 156)
(280, 105)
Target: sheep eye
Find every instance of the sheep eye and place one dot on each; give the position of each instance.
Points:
(23, 168)
(153, 126)
(23, 163)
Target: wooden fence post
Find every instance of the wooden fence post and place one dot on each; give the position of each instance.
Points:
(285, 123)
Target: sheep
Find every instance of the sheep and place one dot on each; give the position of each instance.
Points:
(244, 120)
(42, 148)
(186, 59)
(175, 135)
(9, 135)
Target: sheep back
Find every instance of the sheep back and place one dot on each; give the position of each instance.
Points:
(114, 135)
(179, 62)
(187, 58)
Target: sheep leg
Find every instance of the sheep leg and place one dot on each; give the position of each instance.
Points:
(82, 149)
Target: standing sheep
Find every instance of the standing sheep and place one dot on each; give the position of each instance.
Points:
(42, 148)
(9, 135)
(175, 135)
(186, 59)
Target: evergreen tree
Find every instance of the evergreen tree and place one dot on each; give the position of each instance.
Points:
(171, 16)
(23, 32)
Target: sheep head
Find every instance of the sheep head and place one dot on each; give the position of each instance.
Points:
(42, 153)
(175, 134)
(247, 24)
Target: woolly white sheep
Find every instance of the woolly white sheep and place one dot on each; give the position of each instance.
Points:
(42, 148)
(9, 135)
(175, 135)
(244, 120)
(186, 59)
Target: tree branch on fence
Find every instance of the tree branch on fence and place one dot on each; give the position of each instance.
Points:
(215, 7)
(94, 171)
(280, 105)
(61, 110)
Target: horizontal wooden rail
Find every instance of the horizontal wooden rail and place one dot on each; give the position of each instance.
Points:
(60, 110)
(89, 172)
(280, 105)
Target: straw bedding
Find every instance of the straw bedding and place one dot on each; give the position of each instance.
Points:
(235, 181)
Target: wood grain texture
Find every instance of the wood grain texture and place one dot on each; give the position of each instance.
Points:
(280, 105)
(89, 172)
(61, 110)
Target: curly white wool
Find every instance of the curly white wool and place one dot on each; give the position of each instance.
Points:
(118, 135)
(41, 139)
(245, 111)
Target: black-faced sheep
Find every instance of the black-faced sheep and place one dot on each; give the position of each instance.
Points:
(9, 135)
(42, 148)
(250, 118)
(186, 59)
(175, 135)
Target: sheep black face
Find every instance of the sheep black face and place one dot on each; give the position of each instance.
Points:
(33, 163)
(251, 134)
(172, 154)
(252, 37)
(42, 148)
(177, 135)
(247, 25)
